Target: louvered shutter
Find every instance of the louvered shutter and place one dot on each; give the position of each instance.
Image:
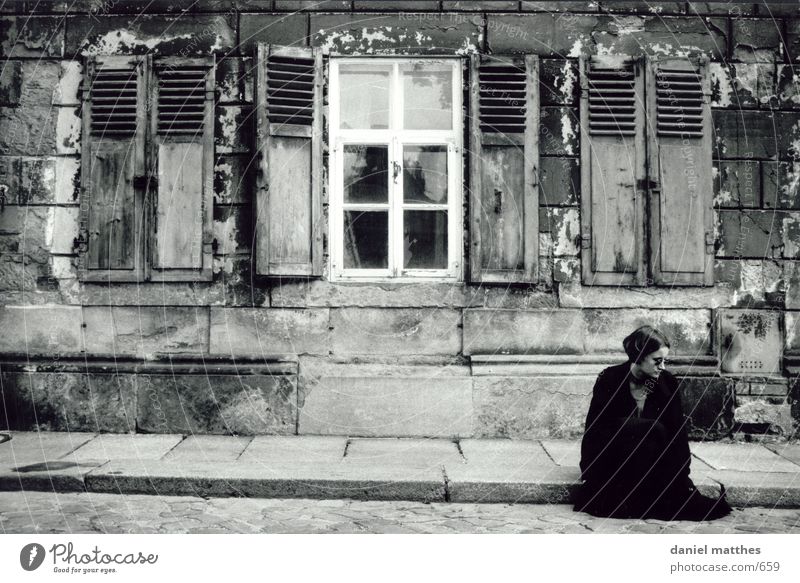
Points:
(681, 198)
(504, 159)
(613, 165)
(114, 95)
(182, 169)
(289, 142)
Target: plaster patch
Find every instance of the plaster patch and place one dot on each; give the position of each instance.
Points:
(568, 133)
(227, 233)
(791, 184)
(66, 92)
(66, 180)
(751, 276)
(228, 125)
(628, 25)
(577, 49)
(68, 131)
(566, 229)
(565, 81)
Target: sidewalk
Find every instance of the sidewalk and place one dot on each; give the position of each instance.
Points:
(428, 470)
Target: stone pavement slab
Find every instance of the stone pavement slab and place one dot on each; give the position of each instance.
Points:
(275, 480)
(126, 446)
(769, 489)
(49, 476)
(564, 452)
(502, 482)
(416, 453)
(34, 446)
(299, 448)
(790, 451)
(209, 448)
(747, 457)
(505, 452)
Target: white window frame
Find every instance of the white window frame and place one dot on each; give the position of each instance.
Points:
(395, 138)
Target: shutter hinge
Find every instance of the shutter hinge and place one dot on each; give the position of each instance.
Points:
(586, 242)
(80, 243)
(710, 242)
(645, 184)
(145, 181)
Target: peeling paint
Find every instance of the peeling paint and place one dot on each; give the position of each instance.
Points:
(790, 187)
(228, 126)
(227, 233)
(566, 229)
(66, 92)
(565, 82)
(68, 131)
(721, 88)
(577, 49)
(121, 41)
(568, 133)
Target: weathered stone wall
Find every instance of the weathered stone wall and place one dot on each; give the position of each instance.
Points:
(394, 359)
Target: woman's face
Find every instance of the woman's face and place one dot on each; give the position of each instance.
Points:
(654, 363)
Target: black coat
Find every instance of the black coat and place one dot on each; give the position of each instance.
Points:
(637, 466)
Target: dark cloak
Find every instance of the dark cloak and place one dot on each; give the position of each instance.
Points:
(637, 466)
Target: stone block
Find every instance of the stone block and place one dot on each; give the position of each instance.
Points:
(790, 230)
(726, 133)
(788, 87)
(320, 293)
(565, 231)
(208, 448)
(768, 414)
(154, 34)
(781, 185)
(559, 82)
(254, 331)
(749, 341)
(708, 405)
(420, 404)
(31, 36)
(756, 40)
(754, 283)
(69, 402)
(792, 326)
(793, 40)
(480, 6)
(134, 294)
(642, 7)
(145, 331)
(283, 29)
(404, 32)
(514, 485)
(67, 180)
(558, 35)
(37, 183)
(737, 184)
(41, 329)
(401, 331)
(566, 270)
(232, 229)
(559, 181)
(523, 332)
(237, 283)
(10, 83)
(28, 131)
(559, 131)
(764, 489)
(689, 331)
(790, 451)
(531, 407)
(217, 404)
(791, 274)
(39, 81)
(751, 234)
(23, 232)
(396, 5)
(671, 35)
(758, 134)
(313, 5)
(233, 130)
(787, 132)
(558, 7)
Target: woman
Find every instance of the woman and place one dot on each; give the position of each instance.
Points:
(635, 453)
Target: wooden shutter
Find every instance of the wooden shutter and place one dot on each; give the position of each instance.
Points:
(613, 165)
(114, 96)
(181, 157)
(679, 147)
(504, 159)
(289, 142)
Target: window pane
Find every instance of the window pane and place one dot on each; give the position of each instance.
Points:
(428, 96)
(425, 239)
(425, 174)
(364, 97)
(366, 239)
(366, 174)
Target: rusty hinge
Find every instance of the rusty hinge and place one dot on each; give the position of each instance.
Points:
(586, 241)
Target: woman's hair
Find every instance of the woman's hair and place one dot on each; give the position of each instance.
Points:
(642, 342)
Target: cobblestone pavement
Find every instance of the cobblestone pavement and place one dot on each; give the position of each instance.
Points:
(42, 512)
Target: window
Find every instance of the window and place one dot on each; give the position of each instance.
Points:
(395, 169)
(646, 152)
(147, 168)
